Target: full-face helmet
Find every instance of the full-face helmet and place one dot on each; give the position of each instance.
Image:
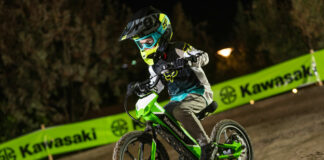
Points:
(149, 23)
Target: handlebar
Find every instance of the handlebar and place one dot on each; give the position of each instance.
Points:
(130, 90)
(166, 66)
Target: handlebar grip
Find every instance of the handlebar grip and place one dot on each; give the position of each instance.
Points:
(130, 88)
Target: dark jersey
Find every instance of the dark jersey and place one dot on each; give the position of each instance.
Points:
(190, 79)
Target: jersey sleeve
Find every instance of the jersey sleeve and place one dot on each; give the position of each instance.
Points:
(202, 57)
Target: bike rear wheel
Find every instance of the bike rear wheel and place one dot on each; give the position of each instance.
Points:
(230, 133)
(137, 146)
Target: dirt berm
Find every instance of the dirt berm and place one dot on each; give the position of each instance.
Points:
(285, 127)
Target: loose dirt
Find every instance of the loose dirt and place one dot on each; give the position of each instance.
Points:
(285, 127)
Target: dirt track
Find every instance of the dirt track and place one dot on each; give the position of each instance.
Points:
(285, 127)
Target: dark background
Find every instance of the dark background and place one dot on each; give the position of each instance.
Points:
(61, 61)
(219, 14)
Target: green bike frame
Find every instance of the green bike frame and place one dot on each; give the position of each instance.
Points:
(149, 109)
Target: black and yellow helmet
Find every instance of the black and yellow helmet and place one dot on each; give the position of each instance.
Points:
(149, 23)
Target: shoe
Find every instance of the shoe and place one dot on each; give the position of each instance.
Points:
(206, 151)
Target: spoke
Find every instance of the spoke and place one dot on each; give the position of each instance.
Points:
(130, 155)
(225, 134)
(141, 152)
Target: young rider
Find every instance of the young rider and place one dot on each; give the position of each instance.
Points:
(187, 86)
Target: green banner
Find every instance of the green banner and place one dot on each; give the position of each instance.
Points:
(319, 59)
(265, 83)
(271, 81)
(67, 138)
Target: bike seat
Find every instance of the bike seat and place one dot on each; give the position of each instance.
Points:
(209, 109)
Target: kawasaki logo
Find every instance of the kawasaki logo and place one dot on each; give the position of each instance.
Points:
(7, 154)
(278, 81)
(31, 149)
(227, 95)
(119, 127)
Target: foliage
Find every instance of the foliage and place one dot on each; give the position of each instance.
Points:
(265, 34)
(308, 17)
(62, 59)
(268, 32)
(59, 59)
(196, 35)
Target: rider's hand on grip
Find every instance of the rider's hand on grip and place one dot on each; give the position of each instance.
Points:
(141, 89)
(161, 66)
(192, 58)
(164, 66)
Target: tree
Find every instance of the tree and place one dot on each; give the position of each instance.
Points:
(266, 34)
(62, 59)
(308, 16)
(59, 59)
(195, 34)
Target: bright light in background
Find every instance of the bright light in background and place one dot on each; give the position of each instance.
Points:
(294, 90)
(251, 101)
(226, 52)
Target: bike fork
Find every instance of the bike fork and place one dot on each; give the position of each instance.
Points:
(153, 150)
(148, 128)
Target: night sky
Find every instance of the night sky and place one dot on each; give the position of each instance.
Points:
(219, 14)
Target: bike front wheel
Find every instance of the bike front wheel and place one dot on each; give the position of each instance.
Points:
(137, 145)
(232, 141)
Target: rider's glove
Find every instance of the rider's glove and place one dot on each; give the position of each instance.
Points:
(161, 66)
(192, 58)
(141, 89)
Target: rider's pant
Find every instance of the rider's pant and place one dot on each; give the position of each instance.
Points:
(184, 111)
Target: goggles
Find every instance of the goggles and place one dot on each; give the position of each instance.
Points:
(155, 36)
